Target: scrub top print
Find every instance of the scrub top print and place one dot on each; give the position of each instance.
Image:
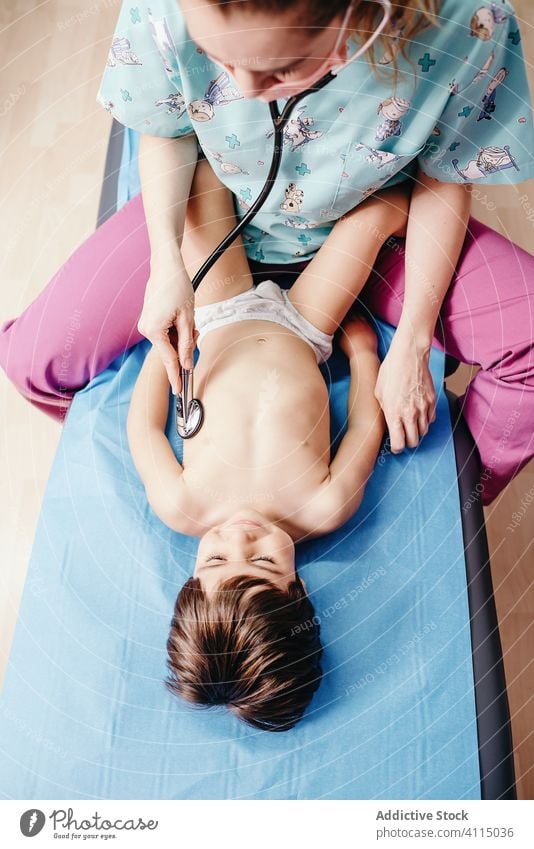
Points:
(490, 95)
(486, 19)
(219, 92)
(460, 112)
(391, 110)
(298, 130)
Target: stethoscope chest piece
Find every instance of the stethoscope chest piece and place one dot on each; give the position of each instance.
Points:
(189, 410)
(191, 424)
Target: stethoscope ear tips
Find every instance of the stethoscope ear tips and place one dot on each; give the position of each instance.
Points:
(189, 410)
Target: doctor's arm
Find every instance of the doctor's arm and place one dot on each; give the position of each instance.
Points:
(151, 451)
(355, 458)
(437, 223)
(166, 169)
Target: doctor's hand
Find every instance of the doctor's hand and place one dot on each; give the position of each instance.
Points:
(169, 303)
(405, 391)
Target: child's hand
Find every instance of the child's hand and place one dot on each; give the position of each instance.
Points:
(356, 335)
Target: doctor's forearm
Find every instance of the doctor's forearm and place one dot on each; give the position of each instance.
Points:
(166, 169)
(437, 223)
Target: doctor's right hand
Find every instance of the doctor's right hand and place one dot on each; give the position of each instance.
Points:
(169, 303)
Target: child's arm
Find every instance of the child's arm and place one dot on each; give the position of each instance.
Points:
(152, 454)
(327, 288)
(355, 459)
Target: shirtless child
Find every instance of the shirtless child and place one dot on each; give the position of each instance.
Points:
(258, 476)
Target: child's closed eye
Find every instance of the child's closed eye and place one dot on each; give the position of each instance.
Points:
(224, 559)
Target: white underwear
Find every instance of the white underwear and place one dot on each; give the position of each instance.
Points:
(267, 302)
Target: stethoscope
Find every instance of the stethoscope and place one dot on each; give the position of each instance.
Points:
(189, 410)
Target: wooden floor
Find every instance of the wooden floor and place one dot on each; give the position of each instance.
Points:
(53, 143)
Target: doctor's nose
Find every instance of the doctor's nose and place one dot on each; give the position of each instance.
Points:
(251, 83)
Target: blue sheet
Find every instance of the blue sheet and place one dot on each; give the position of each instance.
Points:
(84, 712)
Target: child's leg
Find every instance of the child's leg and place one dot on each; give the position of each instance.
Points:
(327, 288)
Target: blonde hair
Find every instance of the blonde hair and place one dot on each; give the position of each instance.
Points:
(409, 17)
(412, 15)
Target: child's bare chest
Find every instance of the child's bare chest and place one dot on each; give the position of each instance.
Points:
(266, 434)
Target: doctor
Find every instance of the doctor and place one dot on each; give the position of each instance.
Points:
(195, 77)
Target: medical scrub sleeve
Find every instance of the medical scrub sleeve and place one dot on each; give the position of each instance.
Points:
(141, 85)
(485, 132)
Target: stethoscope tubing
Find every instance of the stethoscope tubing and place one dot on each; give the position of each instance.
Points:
(190, 414)
(279, 123)
(186, 402)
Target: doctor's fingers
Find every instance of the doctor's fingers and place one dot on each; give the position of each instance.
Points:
(411, 429)
(407, 421)
(427, 415)
(403, 432)
(169, 357)
(397, 436)
(187, 336)
(423, 423)
(416, 418)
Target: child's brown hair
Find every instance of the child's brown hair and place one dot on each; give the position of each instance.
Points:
(249, 645)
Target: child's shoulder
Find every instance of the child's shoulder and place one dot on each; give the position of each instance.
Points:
(183, 511)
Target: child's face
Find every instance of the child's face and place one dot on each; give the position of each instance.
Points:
(247, 544)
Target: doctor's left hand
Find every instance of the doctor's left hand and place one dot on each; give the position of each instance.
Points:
(405, 391)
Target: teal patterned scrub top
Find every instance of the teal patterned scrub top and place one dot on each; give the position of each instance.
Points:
(460, 112)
